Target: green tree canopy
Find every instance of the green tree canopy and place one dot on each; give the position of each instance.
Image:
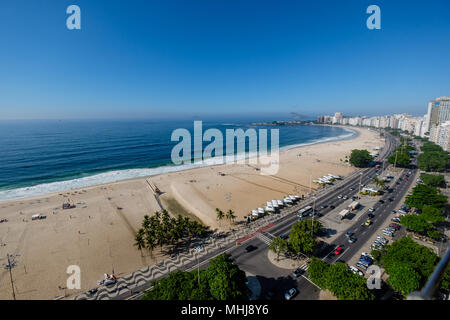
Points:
(403, 159)
(222, 280)
(425, 195)
(226, 281)
(405, 259)
(403, 278)
(360, 158)
(431, 214)
(433, 180)
(278, 245)
(300, 237)
(337, 278)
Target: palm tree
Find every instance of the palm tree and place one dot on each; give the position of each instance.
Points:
(278, 245)
(230, 215)
(140, 240)
(380, 183)
(220, 215)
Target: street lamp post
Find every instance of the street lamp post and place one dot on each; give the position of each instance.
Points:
(8, 266)
(197, 250)
(359, 186)
(314, 213)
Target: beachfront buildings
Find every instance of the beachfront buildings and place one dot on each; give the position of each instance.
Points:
(433, 125)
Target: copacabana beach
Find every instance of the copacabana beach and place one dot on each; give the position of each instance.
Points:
(98, 234)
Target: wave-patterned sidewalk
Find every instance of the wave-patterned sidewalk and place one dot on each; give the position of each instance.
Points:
(144, 276)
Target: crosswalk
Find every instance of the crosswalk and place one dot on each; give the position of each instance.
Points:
(264, 238)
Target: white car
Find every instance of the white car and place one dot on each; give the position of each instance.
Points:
(356, 271)
(291, 293)
(365, 254)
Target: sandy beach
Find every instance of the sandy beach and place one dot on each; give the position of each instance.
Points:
(98, 234)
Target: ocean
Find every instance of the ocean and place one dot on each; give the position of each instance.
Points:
(44, 156)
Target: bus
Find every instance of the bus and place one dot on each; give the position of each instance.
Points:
(304, 212)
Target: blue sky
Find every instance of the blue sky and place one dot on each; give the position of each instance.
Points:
(149, 59)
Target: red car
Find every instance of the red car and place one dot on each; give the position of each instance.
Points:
(395, 226)
(338, 250)
(406, 179)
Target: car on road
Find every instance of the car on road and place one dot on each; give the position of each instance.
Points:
(332, 207)
(323, 206)
(356, 271)
(371, 209)
(344, 198)
(338, 250)
(297, 273)
(349, 234)
(284, 236)
(381, 201)
(391, 199)
(351, 239)
(340, 196)
(371, 215)
(352, 188)
(368, 222)
(250, 248)
(290, 294)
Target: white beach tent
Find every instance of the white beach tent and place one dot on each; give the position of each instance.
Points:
(275, 203)
(280, 203)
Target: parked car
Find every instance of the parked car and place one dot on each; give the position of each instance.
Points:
(365, 254)
(290, 294)
(395, 219)
(365, 261)
(356, 271)
(393, 211)
(361, 266)
(395, 226)
(297, 273)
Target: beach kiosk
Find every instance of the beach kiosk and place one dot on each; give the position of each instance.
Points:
(343, 213)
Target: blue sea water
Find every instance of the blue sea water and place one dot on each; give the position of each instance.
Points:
(44, 156)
